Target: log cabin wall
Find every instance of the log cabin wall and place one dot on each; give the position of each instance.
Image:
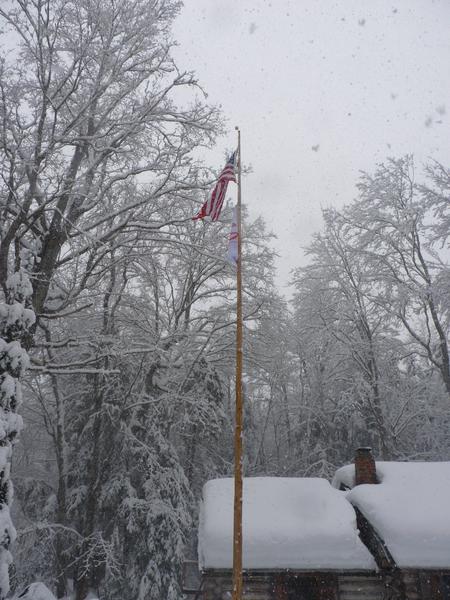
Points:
(361, 587)
(255, 587)
(306, 586)
(290, 586)
(413, 588)
(426, 585)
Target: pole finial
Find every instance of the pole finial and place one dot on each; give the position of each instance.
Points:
(236, 127)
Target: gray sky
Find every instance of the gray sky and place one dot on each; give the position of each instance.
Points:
(321, 90)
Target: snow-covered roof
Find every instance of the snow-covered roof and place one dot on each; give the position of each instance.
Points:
(409, 509)
(288, 523)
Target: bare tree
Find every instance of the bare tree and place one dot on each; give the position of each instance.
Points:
(394, 232)
(86, 107)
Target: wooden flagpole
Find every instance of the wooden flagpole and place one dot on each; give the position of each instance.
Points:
(237, 524)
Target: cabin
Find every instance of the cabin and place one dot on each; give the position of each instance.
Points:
(376, 532)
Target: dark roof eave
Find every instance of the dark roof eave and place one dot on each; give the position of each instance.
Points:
(269, 572)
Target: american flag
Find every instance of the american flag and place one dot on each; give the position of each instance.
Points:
(213, 206)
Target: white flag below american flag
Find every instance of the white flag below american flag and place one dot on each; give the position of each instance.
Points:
(233, 238)
(213, 206)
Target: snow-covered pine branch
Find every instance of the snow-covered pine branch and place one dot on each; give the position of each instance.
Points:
(16, 318)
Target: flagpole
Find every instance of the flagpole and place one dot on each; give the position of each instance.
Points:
(237, 524)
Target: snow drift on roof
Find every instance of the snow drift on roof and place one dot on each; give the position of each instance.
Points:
(409, 509)
(288, 523)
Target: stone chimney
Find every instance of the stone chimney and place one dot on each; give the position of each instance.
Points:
(365, 469)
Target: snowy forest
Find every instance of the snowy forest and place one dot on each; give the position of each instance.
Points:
(117, 310)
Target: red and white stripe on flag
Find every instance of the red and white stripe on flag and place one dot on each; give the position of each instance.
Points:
(233, 238)
(213, 206)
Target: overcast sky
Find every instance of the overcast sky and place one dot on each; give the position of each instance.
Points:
(321, 90)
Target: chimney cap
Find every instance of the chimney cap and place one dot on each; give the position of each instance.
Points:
(364, 450)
